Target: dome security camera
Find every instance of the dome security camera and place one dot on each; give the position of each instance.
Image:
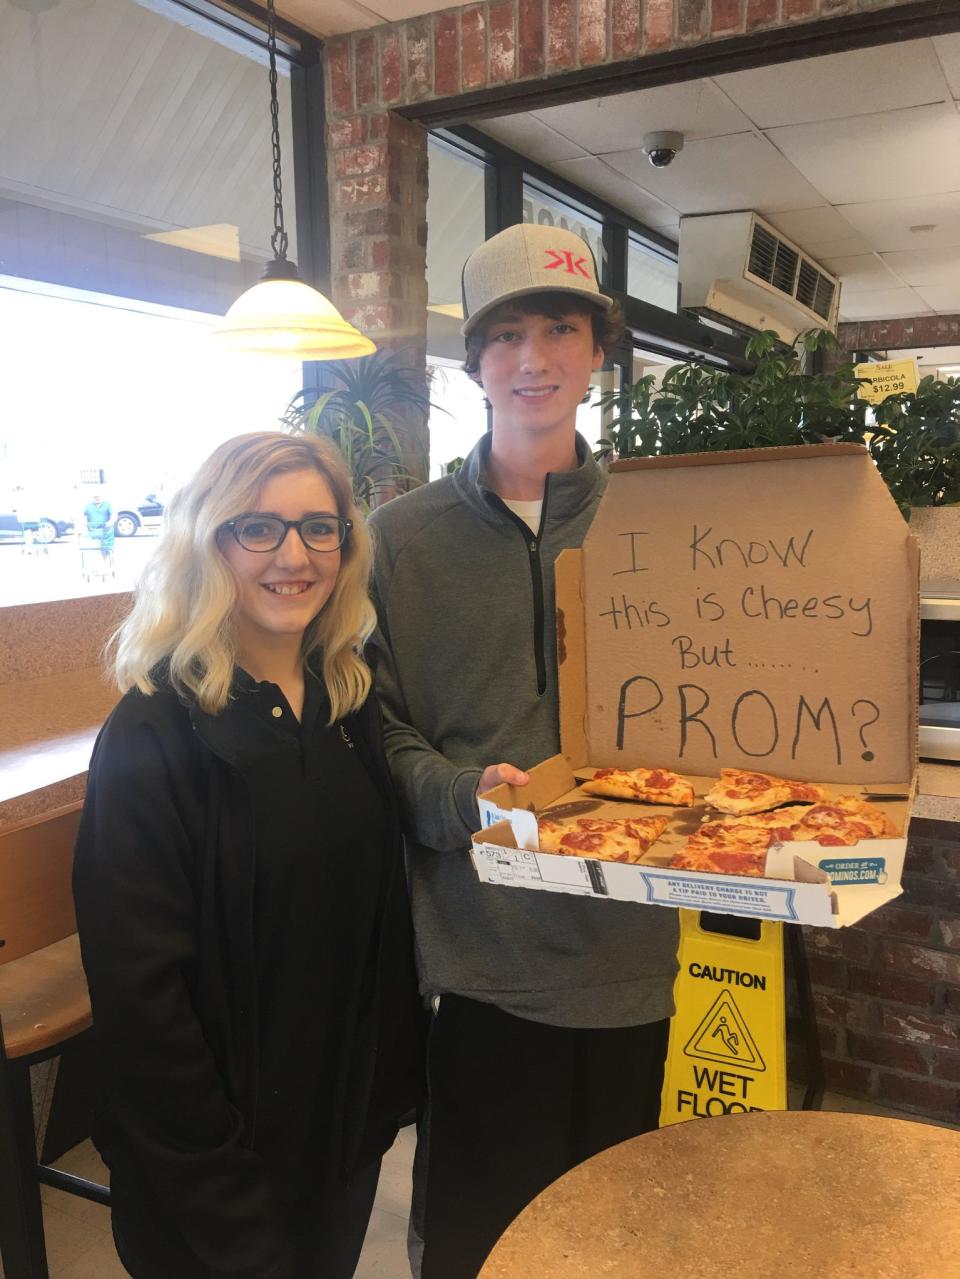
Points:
(662, 149)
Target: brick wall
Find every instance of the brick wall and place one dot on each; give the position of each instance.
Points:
(888, 990)
(884, 335)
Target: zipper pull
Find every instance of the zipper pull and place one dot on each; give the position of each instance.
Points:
(533, 548)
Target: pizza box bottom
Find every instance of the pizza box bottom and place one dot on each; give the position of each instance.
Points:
(805, 882)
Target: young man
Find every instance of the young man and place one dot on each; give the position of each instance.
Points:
(551, 1011)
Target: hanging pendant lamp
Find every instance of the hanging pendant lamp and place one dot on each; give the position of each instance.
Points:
(282, 315)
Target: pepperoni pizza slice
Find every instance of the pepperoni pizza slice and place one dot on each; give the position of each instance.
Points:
(607, 839)
(723, 848)
(741, 792)
(644, 785)
(842, 820)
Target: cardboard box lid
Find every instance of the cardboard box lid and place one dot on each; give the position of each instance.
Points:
(755, 609)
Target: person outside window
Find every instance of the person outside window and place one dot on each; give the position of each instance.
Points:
(551, 1011)
(98, 517)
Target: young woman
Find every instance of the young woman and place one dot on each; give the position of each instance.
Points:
(240, 895)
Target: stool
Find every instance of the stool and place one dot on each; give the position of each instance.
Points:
(44, 1005)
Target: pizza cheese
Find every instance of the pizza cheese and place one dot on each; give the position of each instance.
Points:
(645, 785)
(615, 840)
(739, 791)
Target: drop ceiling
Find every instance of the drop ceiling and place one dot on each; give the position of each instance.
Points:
(334, 17)
(854, 156)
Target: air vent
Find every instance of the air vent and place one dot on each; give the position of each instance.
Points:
(763, 253)
(823, 302)
(736, 267)
(773, 260)
(815, 290)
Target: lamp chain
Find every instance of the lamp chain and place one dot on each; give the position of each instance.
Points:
(279, 239)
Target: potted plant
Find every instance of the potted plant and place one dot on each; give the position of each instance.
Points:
(914, 439)
(361, 411)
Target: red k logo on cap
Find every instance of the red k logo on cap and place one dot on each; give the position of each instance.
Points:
(563, 260)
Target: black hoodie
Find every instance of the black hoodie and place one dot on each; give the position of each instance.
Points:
(163, 881)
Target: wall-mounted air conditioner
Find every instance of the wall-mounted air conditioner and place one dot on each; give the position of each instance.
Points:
(736, 269)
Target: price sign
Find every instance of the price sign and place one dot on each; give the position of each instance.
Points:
(888, 377)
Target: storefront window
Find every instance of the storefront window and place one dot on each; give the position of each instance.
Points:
(136, 208)
(546, 208)
(456, 225)
(458, 416)
(651, 275)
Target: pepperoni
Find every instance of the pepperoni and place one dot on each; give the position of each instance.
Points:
(801, 790)
(660, 780)
(585, 843)
(738, 863)
(780, 834)
(604, 772)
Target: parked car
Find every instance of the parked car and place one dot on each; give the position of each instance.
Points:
(148, 514)
(44, 528)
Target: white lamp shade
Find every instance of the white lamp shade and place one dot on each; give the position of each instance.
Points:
(287, 317)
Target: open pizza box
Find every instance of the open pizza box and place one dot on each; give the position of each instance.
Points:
(753, 610)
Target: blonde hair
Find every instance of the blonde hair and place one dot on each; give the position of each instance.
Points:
(187, 593)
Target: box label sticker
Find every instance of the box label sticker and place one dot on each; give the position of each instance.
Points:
(860, 870)
(763, 901)
(518, 868)
(506, 866)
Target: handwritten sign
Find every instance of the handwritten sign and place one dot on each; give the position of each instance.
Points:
(887, 377)
(751, 614)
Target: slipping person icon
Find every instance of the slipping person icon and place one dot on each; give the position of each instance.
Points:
(729, 1038)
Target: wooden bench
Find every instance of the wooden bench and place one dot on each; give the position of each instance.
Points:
(44, 1006)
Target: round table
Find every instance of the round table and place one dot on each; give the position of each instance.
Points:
(757, 1196)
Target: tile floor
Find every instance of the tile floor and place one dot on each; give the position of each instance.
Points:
(80, 1246)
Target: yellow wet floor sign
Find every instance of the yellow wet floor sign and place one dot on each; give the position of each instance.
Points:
(727, 1051)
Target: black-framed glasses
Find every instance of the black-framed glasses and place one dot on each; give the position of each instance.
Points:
(263, 533)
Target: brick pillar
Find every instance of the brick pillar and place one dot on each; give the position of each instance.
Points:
(377, 166)
(888, 989)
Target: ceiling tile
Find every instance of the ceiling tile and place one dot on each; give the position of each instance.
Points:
(333, 17)
(840, 84)
(531, 137)
(742, 171)
(694, 108)
(821, 231)
(886, 223)
(852, 160)
(942, 298)
(597, 177)
(864, 273)
(926, 266)
(885, 304)
(948, 51)
(935, 355)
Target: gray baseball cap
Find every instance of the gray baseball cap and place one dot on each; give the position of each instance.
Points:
(525, 259)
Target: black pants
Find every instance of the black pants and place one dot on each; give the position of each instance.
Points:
(329, 1244)
(515, 1104)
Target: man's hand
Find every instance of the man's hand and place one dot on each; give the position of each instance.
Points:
(497, 773)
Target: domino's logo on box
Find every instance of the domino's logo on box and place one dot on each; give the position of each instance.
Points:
(855, 870)
(490, 814)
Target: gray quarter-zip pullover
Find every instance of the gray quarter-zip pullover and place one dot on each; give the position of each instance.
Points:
(467, 673)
